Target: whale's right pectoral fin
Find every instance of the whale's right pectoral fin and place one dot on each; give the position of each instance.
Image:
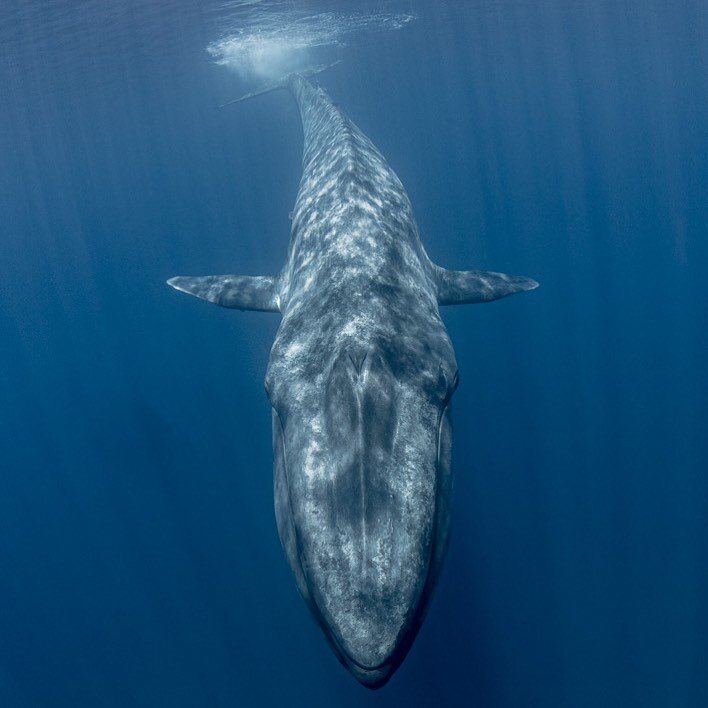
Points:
(241, 292)
(461, 287)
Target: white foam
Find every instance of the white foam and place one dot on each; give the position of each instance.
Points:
(266, 40)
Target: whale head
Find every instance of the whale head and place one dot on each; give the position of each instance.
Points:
(361, 438)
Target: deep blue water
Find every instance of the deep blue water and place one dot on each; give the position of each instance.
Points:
(561, 140)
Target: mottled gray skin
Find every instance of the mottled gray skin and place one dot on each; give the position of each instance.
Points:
(360, 379)
(359, 376)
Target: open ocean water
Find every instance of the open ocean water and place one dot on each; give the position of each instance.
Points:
(562, 140)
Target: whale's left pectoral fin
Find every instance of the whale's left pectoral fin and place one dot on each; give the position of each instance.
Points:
(461, 287)
(241, 292)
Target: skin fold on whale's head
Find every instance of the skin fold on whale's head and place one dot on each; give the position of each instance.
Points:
(361, 438)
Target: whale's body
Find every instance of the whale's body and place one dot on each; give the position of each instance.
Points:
(360, 379)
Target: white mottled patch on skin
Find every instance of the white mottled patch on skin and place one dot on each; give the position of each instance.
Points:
(312, 467)
(308, 282)
(294, 348)
(350, 329)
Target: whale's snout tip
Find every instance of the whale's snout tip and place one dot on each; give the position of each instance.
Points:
(370, 644)
(372, 674)
(373, 679)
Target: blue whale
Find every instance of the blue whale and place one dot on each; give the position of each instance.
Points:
(360, 379)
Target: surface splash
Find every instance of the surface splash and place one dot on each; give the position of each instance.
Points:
(266, 39)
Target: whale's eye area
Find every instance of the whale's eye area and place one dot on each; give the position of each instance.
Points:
(452, 388)
(277, 396)
(446, 384)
